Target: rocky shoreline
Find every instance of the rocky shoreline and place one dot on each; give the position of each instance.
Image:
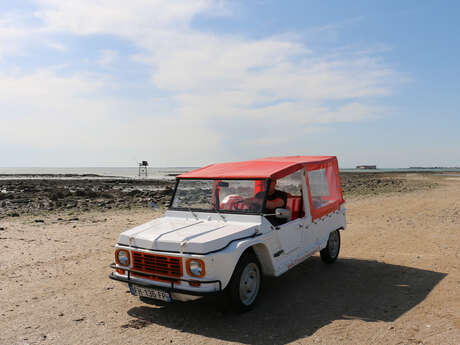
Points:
(39, 195)
(56, 176)
(36, 196)
(362, 184)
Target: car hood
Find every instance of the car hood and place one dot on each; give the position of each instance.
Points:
(185, 235)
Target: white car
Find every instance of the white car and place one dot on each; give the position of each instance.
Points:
(229, 224)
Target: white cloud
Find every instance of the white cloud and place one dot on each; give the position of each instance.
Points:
(108, 57)
(54, 45)
(10, 38)
(136, 19)
(212, 80)
(45, 111)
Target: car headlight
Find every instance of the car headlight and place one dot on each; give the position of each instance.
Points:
(195, 267)
(122, 257)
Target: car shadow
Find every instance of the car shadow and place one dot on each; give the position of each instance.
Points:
(301, 301)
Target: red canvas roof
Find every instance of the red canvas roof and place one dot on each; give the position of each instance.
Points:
(270, 167)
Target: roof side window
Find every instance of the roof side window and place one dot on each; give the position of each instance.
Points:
(291, 184)
(324, 187)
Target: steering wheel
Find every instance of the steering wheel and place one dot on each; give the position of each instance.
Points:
(237, 202)
(252, 205)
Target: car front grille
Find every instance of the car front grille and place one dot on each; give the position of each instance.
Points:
(168, 266)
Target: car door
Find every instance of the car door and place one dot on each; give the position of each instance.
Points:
(290, 233)
(309, 234)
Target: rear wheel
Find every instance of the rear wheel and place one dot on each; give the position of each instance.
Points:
(331, 252)
(245, 284)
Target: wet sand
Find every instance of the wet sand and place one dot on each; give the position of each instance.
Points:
(397, 280)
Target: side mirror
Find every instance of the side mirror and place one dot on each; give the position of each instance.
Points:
(283, 213)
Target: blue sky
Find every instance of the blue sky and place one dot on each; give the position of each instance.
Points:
(186, 83)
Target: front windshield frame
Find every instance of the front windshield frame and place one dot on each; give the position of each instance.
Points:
(266, 183)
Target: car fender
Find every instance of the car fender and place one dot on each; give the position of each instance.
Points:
(325, 238)
(229, 257)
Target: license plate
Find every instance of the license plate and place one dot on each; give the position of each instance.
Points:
(161, 295)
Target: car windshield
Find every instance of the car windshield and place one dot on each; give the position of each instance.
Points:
(235, 196)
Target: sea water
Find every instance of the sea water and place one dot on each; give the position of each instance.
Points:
(163, 173)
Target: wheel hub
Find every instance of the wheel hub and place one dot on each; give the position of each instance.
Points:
(249, 283)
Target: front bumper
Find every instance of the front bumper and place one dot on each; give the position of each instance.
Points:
(171, 288)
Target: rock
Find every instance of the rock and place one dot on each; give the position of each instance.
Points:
(80, 193)
(107, 196)
(56, 196)
(39, 221)
(134, 192)
(14, 214)
(2, 228)
(21, 201)
(91, 194)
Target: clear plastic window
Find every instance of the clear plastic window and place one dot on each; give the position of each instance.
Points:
(323, 186)
(240, 196)
(194, 194)
(291, 184)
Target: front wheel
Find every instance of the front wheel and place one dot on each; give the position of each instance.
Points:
(244, 287)
(331, 252)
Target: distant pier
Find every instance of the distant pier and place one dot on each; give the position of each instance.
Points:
(366, 167)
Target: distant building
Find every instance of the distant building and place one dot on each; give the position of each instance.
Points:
(366, 167)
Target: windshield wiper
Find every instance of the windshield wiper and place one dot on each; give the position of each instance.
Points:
(220, 214)
(193, 213)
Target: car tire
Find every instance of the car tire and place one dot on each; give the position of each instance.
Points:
(331, 252)
(245, 285)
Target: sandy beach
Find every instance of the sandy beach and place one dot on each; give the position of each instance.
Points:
(397, 280)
